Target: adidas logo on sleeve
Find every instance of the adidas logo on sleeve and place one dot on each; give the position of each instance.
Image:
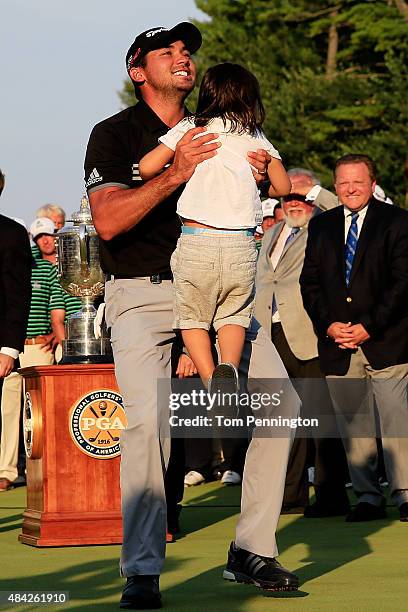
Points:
(135, 173)
(94, 177)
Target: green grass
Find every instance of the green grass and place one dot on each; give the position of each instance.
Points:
(353, 567)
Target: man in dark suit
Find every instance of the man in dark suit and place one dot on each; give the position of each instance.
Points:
(354, 286)
(15, 292)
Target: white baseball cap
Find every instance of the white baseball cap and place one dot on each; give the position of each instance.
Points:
(42, 225)
(379, 194)
(268, 206)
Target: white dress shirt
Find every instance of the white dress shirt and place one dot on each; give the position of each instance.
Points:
(313, 193)
(280, 245)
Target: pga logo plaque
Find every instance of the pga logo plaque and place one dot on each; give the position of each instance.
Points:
(96, 421)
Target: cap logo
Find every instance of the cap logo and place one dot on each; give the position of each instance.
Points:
(147, 35)
(153, 32)
(133, 58)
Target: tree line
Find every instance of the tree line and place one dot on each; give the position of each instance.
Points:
(333, 76)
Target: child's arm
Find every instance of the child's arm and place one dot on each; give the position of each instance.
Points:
(280, 182)
(153, 162)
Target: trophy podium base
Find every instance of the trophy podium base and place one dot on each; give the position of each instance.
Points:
(73, 498)
(85, 359)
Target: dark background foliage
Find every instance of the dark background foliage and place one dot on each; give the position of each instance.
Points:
(333, 77)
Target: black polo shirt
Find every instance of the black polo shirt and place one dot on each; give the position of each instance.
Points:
(115, 148)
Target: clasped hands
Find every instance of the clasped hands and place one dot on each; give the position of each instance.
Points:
(346, 335)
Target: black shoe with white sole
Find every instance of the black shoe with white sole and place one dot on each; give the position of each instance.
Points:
(264, 572)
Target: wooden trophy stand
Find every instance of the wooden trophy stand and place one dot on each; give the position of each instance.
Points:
(73, 416)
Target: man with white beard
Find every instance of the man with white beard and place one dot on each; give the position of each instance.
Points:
(279, 308)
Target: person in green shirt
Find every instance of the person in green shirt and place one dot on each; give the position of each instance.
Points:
(43, 234)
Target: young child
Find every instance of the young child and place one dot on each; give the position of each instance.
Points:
(215, 260)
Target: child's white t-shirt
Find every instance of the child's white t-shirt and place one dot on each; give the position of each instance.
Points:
(222, 191)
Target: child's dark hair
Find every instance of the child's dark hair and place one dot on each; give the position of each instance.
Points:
(231, 92)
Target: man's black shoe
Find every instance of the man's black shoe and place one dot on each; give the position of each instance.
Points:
(173, 516)
(403, 510)
(264, 572)
(292, 509)
(141, 593)
(366, 512)
(317, 510)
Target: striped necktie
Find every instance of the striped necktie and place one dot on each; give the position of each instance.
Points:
(350, 246)
(294, 231)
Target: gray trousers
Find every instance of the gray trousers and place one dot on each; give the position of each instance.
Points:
(360, 419)
(140, 316)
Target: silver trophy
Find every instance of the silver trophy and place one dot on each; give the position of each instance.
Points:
(80, 275)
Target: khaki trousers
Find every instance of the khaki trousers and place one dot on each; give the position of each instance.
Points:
(11, 409)
(361, 420)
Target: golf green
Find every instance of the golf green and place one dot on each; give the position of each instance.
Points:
(356, 567)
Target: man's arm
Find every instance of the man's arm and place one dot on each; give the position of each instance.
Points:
(116, 210)
(316, 195)
(57, 324)
(16, 262)
(55, 305)
(325, 200)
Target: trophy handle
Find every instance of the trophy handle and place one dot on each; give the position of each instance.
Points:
(84, 249)
(57, 257)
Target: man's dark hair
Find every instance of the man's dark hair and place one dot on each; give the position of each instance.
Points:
(231, 92)
(357, 158)
(2, 181)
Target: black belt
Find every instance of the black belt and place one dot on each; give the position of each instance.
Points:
(155, 279)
